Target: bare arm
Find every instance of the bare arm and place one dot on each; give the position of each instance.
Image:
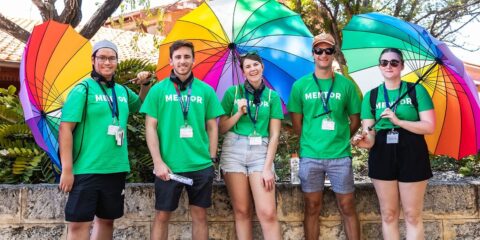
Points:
(354, 123)
(227, 122)
(212, 131)
(161, 170)
(426, 125)
(366, 138)
(267, 174)
(65, 139)
(143, 78)
(297, 121)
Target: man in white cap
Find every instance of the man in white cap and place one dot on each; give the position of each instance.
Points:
(325, 109)
(93, 146)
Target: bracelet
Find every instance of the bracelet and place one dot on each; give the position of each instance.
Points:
(147, 83)
(214, 159)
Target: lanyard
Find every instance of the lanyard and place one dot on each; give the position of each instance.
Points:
(324, 101)
(385, 96)
(112, 103)
(252, 118)
(186, 106)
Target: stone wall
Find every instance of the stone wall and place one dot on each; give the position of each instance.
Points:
(36, 212)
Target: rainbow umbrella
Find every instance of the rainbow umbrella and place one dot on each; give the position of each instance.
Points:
(56, 58)
(428, 62)
(223, 30)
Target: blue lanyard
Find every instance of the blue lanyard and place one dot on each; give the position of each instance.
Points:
(112, 103)
(252, 118)
(185, 107)
(385, 96)
(324, 101)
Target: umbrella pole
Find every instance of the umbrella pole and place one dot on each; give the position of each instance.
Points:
(408, 91)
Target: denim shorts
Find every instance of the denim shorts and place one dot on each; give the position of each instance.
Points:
(339, 171)
(240, 157)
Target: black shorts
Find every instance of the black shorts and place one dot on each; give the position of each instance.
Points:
(100, 195)
(167, 193)
(406, 161)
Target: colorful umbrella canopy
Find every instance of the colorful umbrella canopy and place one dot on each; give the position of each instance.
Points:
(222, 30)
(453, 93)
(56, 58)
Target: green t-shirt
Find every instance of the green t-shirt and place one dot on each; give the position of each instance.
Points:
(405, 110)
(270, 107)
(344, 101)
(161, 103)
(93, 150)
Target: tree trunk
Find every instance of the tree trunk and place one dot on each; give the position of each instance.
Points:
(99, 17)
(13, 29)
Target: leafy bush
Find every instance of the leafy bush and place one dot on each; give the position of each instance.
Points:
(21, 160)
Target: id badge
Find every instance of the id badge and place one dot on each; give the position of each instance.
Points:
(119, 137)
(254, 139)
(392, 137)
(328, 124)
(112, 130)
(186, 131)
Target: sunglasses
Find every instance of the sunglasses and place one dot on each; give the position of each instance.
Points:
(319, 51)
(254, 52)
(393, 63)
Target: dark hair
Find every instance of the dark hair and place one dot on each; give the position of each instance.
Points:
(250, 55)
(181, 43)
(394, 50)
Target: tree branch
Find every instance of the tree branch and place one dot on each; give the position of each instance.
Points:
(13, 29)
(72, 13)
(99, 18)
(47, 9)
(398, 8)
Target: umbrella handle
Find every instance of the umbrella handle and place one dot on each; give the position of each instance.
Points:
(151, 76)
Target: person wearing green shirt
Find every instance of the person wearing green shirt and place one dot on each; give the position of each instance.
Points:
(93, 146)
(182, 136)
(325, 109)
(398, 161)
(252, 126)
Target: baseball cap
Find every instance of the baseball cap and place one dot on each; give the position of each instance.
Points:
(323, 37)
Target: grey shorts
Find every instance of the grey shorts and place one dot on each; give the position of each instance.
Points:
(339, 171)
(240, 157)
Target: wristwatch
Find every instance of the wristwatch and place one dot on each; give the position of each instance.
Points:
(214, 159)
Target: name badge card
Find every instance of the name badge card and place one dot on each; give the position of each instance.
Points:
(254, 139)
(186, 131)
(392, 137)
(119, 137)
(112, 130)
(328, 124)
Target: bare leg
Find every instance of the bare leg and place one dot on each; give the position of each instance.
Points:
(102, 229)
(412, 195)
(160, 225)
(346, 204)
(78, 230)
(387, 193)
(313, 206)
(265, 207)
(241, 198)
(199, 223)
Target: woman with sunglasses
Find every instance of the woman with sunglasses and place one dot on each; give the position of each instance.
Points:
(252, 126)
(398, 162)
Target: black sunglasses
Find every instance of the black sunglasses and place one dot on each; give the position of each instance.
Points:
(393, 63)
(319, 51)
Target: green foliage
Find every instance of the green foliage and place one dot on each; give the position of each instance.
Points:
(288, 144)
(468, 166)
(21, 160)
(140, 161)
